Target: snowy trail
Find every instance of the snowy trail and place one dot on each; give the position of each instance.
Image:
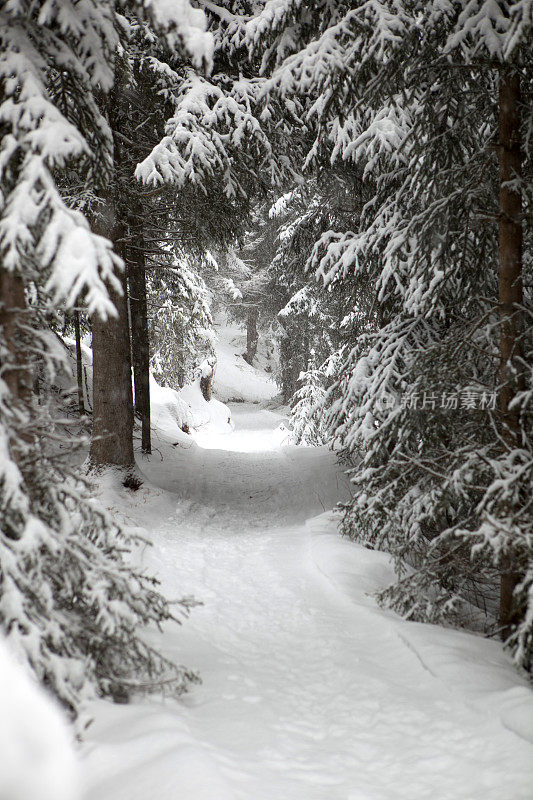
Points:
(245, 477)
(310, 692)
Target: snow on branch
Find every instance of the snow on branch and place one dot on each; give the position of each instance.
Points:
(210, 126)
(485, 27)
(37, 226)
(184, 26)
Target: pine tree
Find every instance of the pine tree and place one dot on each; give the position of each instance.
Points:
(71, 603)
(307, 409)
(247, 279)
(406, 96)
(308, 316)
(181, 332)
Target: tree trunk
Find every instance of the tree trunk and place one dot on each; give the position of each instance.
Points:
(16, 370)
(140, 342)
(252, 335)
(510, 254)
(180, 367)
(290, 367)
(112, 439)
(206, 380)
(16, 373)
(79, 361)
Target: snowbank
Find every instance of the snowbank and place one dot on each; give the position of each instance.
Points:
(169, 411)
(212, 414)
(36, 752)
(472, 666)
(155, 748)
(235, 379)
(177, 414)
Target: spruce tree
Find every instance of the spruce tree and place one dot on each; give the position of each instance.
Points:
(71, 602)
(408, 97)
(307, 408)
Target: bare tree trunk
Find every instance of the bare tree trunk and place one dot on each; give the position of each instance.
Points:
(252, 335)
(510, 252)
(290, 357)
(180, 366)
(16, 369)
(79, 361)
(112, 439)
(140, 343)
(17, 372)
(206, 380)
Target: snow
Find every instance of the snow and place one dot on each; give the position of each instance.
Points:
(254, 431)
(191, 24)
(310, 691)
(235, 379)
(37, 755)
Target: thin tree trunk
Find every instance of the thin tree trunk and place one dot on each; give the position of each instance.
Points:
(510, 253)
(252, 335)
(206, 380)
(180, 370)
(290, 368)
(112, 439)
(79, 361)
(140, 342)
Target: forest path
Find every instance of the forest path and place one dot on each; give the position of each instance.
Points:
(248, 477)
(310, 692)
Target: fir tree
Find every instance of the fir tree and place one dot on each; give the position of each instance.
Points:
(181, 332)
(406, 96)
(71, 602)
(307, 409)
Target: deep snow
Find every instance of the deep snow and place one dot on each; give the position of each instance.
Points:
(37, 757)
(310, 692)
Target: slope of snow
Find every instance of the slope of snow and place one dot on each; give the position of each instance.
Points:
(173, 411)
(310, 691)
(37, 760)
(235, 379)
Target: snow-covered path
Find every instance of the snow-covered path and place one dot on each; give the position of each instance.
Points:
(245, 477)
(310, 692)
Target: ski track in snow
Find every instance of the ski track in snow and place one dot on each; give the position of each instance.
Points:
(310, 692)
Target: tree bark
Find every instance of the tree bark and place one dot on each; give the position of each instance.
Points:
(510, 299)
(207, 378)
(112, 438)
(140, 342)
(180, 367)
(290, 367)
(252, 335)
(79, 361)
(16, 372)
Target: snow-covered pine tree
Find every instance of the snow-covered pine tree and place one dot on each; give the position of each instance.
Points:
(219, 143)
(179, 30)
(71, 603)
(406, 94)
(181, 333)
(246, 276)
(308, 416)
(216, 150)
(187, 227)
(309, 315)
(214, 139)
